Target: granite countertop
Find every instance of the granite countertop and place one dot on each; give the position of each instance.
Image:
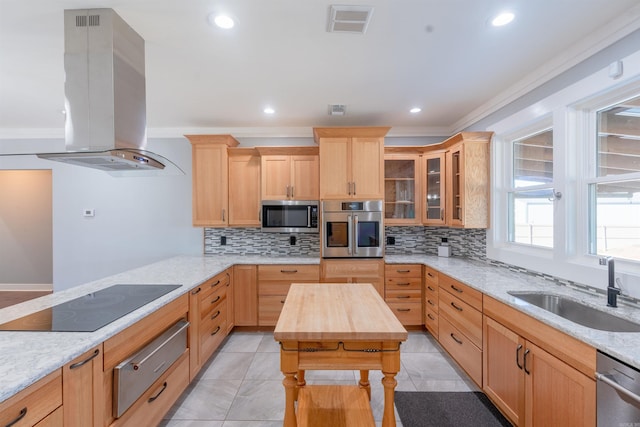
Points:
(26, 357)
(497, 281)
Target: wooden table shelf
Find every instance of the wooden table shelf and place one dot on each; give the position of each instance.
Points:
(335, 406)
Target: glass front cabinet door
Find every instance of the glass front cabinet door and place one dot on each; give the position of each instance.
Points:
(434, 189)
(401, 189)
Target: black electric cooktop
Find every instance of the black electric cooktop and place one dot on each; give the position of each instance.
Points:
(90, 312)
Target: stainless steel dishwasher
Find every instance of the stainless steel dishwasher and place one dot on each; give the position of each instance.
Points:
(618, 393)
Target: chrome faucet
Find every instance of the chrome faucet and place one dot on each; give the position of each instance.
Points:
(612, 291)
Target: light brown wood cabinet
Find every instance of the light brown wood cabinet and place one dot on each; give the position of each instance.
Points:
(245, 294)
(290, 173)
(403, 292)
(433, 189)
(354, 271)
(351, 162)
(244, 187)
(530, 385)
(82, 390)
(212, 310)
(402, 187)
(460, 324)
(40, 402)
(431, 300)
(273, 285)
(210, 178)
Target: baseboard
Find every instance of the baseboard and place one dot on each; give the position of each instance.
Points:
(27, 287)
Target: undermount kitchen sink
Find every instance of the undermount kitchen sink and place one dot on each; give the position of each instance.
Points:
(577, 312)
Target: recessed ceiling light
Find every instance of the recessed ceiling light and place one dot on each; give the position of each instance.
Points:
(415, 110)
(502, 19)
(222, 21)
(269, 110)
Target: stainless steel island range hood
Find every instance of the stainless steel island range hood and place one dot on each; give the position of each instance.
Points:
(104, 94)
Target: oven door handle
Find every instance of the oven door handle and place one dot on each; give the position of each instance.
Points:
(605, 379)
(355, 234)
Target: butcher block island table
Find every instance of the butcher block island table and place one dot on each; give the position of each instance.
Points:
(337, 326)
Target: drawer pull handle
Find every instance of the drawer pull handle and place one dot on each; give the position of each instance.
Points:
(431, 303)
(404, 284)
(431, 317)
(403, 271)
(216, 331)
(527, 351)
(23, 412)
(215, 284)
(404, 296)
(518, 356)
(196, 292)
(430, 275)
(431, 289)
(453, 304)
(458, 290)
(288, 271)
(215, 315)
(455, 339)
(164, 386)
(87, 360)
(404, 309)
(216, 300)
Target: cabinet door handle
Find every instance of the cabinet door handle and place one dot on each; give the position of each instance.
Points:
(458, 290)
(431, 289)
(441, 214)
(281, 301)
(431, 303)
(453, 304)
(518, 356)
(164, 386)
(289, 271)
(223, 215)
(431, 317)
(404, 284)
(213, 285)
(455, 339)
(429, 274)
(216, 331)
(20, 416)
(216, 300)
(292, 191)
(354, 188)
(196, 292)
(215, 315)
(87, 360)
(403, 271)
(526, 352)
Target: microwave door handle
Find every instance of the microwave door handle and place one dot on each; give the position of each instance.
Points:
(355, 234)
(308, 216)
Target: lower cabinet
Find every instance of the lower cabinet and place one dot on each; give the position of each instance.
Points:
(39, 403)
(82, 390)
(245, 295)
(354, 271)
(528, 384)
(273, 285)
(403, 292)
(431, 300)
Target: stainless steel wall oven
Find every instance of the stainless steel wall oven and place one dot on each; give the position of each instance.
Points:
(352, 229)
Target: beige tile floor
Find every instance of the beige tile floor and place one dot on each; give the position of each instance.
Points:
(241, 386)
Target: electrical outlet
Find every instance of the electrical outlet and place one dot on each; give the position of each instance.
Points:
(391, 240)
(223, 240)
(292, 240)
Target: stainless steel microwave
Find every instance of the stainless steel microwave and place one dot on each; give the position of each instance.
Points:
(290, 216)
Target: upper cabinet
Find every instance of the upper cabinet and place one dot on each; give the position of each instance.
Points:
(434, 188)
(210, 179)
(244, 187)
(289, 173)
(351, 162)
(401, 188)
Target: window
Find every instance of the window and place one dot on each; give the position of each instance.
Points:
(614, 191)
(531, 195)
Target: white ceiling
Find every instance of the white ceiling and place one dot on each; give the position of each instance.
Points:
(440, 55)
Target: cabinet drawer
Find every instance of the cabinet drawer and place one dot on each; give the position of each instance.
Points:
(362, 269)
(431, 321)
(403, 283)
(269, 309)
(408, 313)
(431, 276)
(151, 407)
(403, 270)
(468, 356)
(464, 317)
(290, 273)
(213, 285)
(431, 291)
(54, 419)
(462, 291)
(274, 288)
(212, 302)
(38, 400)
(431, 303)
(410, 295)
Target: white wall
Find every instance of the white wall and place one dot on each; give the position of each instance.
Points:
(137, 220)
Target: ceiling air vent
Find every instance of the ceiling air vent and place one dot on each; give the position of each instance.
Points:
(337, 109)
(349, 19)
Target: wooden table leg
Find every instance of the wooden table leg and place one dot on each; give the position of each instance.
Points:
(364, 382)
(389, 382)
(291, 390)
